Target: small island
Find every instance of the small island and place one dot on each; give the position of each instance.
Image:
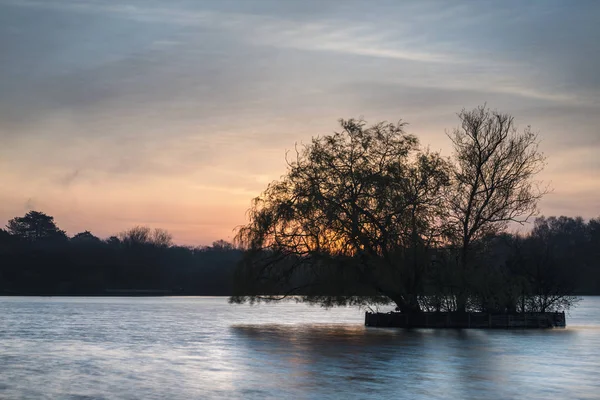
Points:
(368, 216)
(474, 320)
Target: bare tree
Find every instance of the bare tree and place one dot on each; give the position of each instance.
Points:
(143, 235)
(161, 238)
(495, 166)
(138, 235)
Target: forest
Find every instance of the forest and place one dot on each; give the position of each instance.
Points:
(37, 258)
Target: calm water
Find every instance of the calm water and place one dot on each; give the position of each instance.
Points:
(204, 348)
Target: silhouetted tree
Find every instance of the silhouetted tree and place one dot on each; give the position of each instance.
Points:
(222, 245)
(495, 165)
(495, 286)
(161, 238)
(4, 236)
(85, 237)
(551, 260)
(113, 241)
(145, 261)
(355, 214)
(138, 235)
(35, 226)
(143, 235)
(590, 282)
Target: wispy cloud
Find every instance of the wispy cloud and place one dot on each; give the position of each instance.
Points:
(157, 112)
(404, 41)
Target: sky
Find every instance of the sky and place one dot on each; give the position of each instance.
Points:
(176, 114)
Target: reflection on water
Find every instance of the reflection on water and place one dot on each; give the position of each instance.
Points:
(182, 348)
(417, 363)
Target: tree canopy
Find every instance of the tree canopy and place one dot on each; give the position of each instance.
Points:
(143, 261)
(364, 200)
(362, 214)
(35, 226)
(494, 166)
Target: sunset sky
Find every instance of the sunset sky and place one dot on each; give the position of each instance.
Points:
(174, 114)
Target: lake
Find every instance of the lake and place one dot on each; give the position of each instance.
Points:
(205, 348)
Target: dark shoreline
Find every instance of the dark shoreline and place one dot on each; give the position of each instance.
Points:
(468, 320)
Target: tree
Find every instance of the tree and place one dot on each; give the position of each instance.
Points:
(143, 235)
(7, 241)
(494, 168)
(113, 241)
(592, 251)
(35, 226)
(4, 235)
(85, 237)
(222, 245)
(161, 238)
(354, 215)
(557, 256)
(138, 235)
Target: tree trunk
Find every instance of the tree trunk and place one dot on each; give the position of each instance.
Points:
(462, 296)
(461, 302)
(406, 306)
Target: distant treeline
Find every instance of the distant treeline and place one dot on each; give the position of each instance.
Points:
(37, 258)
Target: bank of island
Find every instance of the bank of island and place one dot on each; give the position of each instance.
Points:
(475, 320)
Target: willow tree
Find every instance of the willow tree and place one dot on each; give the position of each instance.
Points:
(351, 221)
(494, 184)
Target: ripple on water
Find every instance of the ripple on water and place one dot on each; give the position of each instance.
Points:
(182, 348)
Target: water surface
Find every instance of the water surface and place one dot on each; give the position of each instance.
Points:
(204, 348)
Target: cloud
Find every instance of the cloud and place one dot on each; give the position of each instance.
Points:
(108, 105)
